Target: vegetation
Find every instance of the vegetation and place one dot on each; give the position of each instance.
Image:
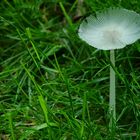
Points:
(53, 86)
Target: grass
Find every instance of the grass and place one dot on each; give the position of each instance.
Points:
(56, 87)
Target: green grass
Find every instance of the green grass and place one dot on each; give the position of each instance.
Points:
(53, 86)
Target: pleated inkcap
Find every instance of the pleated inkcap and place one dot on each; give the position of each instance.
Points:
(113, 28)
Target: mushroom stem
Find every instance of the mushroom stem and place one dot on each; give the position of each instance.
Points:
(112, 100)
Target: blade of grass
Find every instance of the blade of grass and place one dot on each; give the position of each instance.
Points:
(83, 115)
(45, 110)
(11, 126)
(27, 48)
(67, 84)
(33, 45)
(32, 78)
(65, 14)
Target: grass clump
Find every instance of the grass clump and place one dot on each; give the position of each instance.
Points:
(53, 86)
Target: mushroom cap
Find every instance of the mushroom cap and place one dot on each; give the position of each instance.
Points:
(113, 28)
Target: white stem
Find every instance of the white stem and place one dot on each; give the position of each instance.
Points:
(112, 100)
